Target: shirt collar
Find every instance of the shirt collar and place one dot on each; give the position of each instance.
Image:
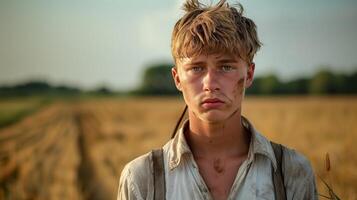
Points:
(178, 147)
(258, 145)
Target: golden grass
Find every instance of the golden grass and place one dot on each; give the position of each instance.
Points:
(314, 126)
(80, 149)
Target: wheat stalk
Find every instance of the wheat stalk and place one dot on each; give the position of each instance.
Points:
(332, 194)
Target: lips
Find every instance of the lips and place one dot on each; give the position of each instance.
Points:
(214, 100)
(212, 103)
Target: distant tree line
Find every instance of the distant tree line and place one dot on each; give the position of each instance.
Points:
(32, 88)
(323, 82)
(36, 88)
(157, 80)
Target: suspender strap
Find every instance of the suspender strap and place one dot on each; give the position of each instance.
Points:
(159, 174)
(278, 178)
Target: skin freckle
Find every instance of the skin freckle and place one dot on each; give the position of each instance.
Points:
(218, 166)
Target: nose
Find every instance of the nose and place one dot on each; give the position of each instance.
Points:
(210, 81)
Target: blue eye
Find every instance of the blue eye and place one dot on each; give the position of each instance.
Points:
(197, 69)
(227, 68)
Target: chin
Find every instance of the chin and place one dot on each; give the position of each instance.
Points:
(217, 116)
(214, 117)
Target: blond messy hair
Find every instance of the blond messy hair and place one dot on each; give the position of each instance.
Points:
(221, 28)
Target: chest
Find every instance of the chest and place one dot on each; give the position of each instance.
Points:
(219, 175)
(248, 181)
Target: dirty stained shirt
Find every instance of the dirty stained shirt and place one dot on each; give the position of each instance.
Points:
(253, 180)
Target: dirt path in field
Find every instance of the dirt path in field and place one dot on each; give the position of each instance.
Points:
(88, 178)
(48, 156)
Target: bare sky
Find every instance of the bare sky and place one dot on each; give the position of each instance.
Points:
(90, 43)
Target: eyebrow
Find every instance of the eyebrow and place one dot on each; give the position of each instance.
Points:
(196, 63)
(223, 60)
(228, 60)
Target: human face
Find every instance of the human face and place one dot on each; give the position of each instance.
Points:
(213, 85)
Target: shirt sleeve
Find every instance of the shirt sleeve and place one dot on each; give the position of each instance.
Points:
(299, 177)
(128, 190)
(311, 191)
(136, 182)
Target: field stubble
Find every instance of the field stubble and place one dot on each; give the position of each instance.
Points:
(77, 151)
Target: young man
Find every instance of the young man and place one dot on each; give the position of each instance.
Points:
(217, 153)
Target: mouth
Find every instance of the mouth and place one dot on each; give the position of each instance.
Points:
(212, 103)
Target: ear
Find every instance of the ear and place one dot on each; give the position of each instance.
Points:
(175, 76)
(250, 75)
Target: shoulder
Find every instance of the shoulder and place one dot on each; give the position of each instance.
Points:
(295, 164)
(136, 177)
(140, 166)
(299, 176)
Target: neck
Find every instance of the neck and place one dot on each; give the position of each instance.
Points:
(221, 139)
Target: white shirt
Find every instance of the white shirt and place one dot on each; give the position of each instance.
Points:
(252, 182)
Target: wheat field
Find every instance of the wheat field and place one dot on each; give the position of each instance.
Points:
(77, 150)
